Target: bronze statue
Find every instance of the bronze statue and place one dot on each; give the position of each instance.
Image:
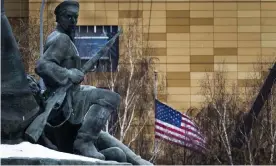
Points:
(85, 110)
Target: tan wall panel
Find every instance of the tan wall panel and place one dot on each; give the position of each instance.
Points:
(178, 75)
(154, 29)
(249, 51)
(249, 21)
(178, 83)
(202, 44)
(178, 6)
(178, 67)
(249, 28)
(201, 21)
(246, 67)
(232, 14)
(225, 59)
(178, 13)
(268, 21)
(225, 51)
(154, 21)
(202, 51)
(178, 44)
(204, 28)
(159, 59)
(268, 6)
(155, 36)
(180, 105)
(268, 28)
(226, 67)
(268, 36)
(178, 51)
(225, 36)
(249, 75)
(225, 28)
(202, 67)
(249, 36)
(268, 43)
(249, 6)
(196, 90)
(178, 59)
(154, 44)
(204, 59)
(201, 6)
(249, 43)
(130, 6)
(87, 6)
(201, 14)
(221, 44)
(249, 59)
(225, 21)
(178, 29)
(178, 21)
(201, 36)
(178, 98)
(201, 75)
(268, 51)
(157, 51)
(178, 36)
(154, 6)
(154, 14)
(225, 6)
(197, 98)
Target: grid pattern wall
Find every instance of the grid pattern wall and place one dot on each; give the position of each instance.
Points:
(191, 38)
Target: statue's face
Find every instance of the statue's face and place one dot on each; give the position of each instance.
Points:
(68, 19)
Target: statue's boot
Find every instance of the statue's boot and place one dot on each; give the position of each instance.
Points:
(106, 140)
(94, 121)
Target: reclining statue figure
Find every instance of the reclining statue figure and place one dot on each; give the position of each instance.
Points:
(85, 109)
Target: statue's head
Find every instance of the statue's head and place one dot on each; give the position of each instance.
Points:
(67, 14)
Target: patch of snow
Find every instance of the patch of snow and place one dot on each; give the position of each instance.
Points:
(29, 150)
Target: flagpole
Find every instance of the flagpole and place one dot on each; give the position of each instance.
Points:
(155, 97)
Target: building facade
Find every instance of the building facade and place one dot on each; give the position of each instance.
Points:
(189, 37)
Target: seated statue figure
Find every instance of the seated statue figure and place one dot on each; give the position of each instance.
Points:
(85, 109)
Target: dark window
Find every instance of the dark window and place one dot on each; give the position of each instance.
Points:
(89, 39)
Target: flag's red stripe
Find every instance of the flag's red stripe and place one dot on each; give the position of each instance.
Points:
(179, 132)
(192, 149)
(201, 145)
(192, 131)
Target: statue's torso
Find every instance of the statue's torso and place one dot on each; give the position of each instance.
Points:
(72, 59)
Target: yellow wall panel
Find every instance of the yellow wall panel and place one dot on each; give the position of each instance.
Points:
(249, 51)
(249, 43)
(197, 98)
(249, 28)
(226, 14)
(202, 44)
(178, 67)
(268, 36)
(268, 28)
(154, 14)
(201, 75)
(249, 21)
(202, 51)
(201, 6)
(178, 59)
(178, 51)
(247, 67)
(201, 28)
(154, 21)
(249, 6)
(225, 29)
(178, 90)
(268, 43)
(172, 44)
(225, 21)
(154, 44)
(201, 36)
(268, 13)
(249, 36)
(220, 44)
(268, 21)
(268, 51)
(249, 75)
(201, 14)
(249, 59)
(178, 36)
(225, 36)
(268, 6)
(130, 6)
(179, 105)
(107, 6)
(225, 59)
(196, 83)
(152, 29)
(87, 6)
(178, 98)
(226, 67)
(196, 90)
(178, 6)
(225, 6)
(154, 6)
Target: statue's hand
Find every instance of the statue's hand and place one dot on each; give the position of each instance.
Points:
(75, 75)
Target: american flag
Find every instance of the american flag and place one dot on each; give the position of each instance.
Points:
(177, 128)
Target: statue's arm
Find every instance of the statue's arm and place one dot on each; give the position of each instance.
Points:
(48, 66)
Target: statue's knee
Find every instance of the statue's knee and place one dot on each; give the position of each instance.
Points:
(115, 154)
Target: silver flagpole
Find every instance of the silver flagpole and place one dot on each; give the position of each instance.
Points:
(155, 98)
